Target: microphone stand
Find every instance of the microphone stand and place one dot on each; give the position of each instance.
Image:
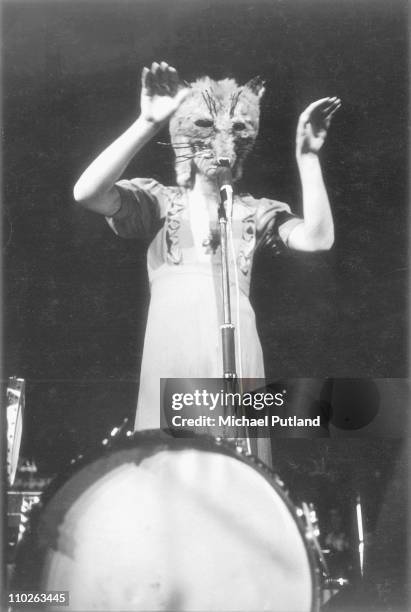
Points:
(227, 328)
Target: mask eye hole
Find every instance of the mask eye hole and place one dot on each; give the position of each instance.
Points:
(239, 125)
(204, 123)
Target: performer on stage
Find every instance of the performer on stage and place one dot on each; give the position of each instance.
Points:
(210, 122)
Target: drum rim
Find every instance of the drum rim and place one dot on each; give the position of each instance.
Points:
(156, 440)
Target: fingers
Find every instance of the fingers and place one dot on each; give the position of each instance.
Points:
(324, 108)
(332, 108)
(318, 103)
(163, 75)
(333, 104)
(155, 72)
(147, 80)
(326, 114)
(173, 77)
(305, 115)
(161, 79)
(319, 115)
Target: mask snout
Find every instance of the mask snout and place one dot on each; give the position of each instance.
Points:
(224, 161)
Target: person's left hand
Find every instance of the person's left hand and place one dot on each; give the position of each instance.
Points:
(313, 125)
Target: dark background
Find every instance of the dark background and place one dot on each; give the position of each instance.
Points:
(76, 295)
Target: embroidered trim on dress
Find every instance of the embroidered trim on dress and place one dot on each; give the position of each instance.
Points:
(248, 240)
(173, 224)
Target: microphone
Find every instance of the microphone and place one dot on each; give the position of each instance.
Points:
(225, 185)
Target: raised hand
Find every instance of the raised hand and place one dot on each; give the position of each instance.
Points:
(313, 125)
(162, 92)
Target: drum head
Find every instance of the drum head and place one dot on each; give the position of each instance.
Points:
(174, 525)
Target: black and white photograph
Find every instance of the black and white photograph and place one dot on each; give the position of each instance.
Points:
(205, 381)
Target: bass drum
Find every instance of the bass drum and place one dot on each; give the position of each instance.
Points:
(171, 524)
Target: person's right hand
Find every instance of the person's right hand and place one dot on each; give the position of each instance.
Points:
(162, 92)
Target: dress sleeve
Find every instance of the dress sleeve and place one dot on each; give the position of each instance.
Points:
(143, 204)
(274, 223)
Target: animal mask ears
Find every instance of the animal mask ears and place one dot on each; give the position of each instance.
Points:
(256, 85)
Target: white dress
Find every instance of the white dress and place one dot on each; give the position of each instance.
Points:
(182, 338)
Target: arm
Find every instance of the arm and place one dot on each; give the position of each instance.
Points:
(161, 95)
(316, 232)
